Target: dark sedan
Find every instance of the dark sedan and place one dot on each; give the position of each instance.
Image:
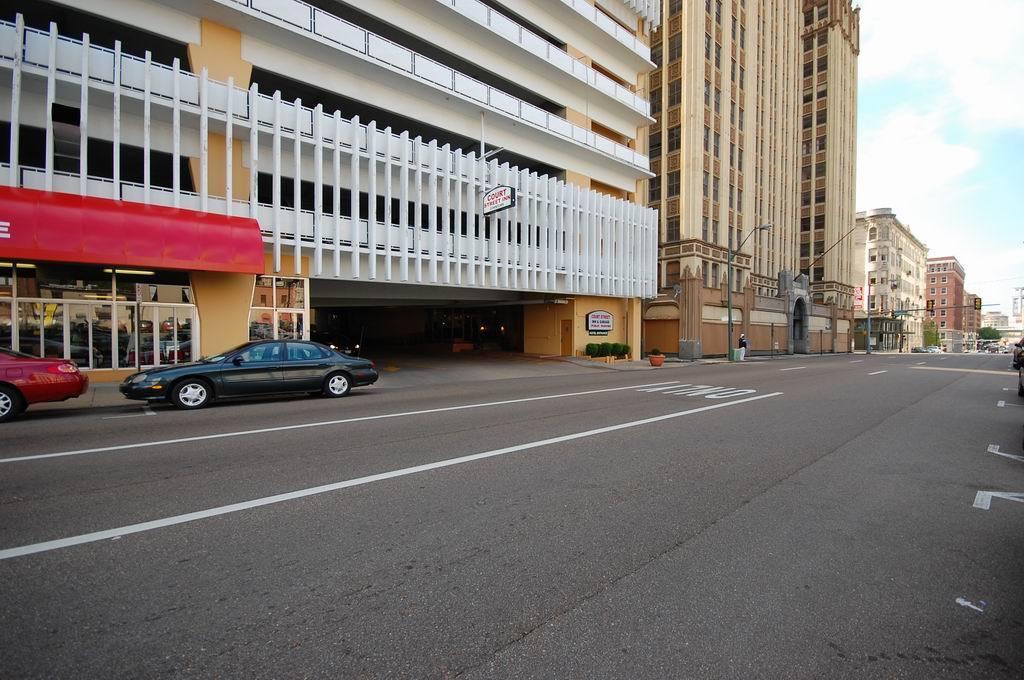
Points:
(256, 368)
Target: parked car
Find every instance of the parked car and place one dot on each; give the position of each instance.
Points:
(25, 380)
(933, 349)
(262, 367)
(918, 350)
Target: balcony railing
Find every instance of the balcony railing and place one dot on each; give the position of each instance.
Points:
(335, 32)
(559, 238)
(502, 26)
(599, 19)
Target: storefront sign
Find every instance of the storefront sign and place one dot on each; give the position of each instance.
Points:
(5, 229)
(599, 322)
(499, 198)
(858, 297)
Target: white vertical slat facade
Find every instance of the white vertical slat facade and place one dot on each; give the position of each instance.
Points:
(558, 239)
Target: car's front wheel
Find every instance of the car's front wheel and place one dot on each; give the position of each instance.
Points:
(337, 385)
(10, 403)
(191, 393)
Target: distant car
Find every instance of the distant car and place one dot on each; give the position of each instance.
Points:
(25, 380)
(918, 350)
(337, 341)
(263, 367)
(933, 349)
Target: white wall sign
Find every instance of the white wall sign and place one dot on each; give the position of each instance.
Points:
(5, 229)
(499, 198)
(599, 322)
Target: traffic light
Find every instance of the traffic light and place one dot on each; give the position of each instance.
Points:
(977, 303)
(930, 305)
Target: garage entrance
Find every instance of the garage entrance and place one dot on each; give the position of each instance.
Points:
(379, 316)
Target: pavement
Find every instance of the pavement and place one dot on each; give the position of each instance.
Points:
(836, 516)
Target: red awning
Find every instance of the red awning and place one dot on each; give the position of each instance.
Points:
(56, 227)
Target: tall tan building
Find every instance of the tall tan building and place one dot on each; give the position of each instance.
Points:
(890, 273)
(830, 32)
(728, 148)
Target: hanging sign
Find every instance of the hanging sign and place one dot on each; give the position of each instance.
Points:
(499, 198)
(599, 322)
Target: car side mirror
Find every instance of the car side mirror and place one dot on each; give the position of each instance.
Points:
(237, 361)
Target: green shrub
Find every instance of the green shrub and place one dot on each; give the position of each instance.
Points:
(591, 349)
(655, 350)
(626, 349)
(605, 349)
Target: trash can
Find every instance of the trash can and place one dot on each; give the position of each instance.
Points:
(734, 354)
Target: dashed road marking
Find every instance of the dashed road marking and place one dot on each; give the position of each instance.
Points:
(878, 372)
(795, 368)
(983, 499)
(706, 391)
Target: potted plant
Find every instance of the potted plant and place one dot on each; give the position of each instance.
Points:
(656, 357)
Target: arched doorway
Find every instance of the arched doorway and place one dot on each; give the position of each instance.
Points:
(799, 329)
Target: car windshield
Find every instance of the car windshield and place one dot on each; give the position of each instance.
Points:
(220, 357)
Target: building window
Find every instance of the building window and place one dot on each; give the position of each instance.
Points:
(707, 182)
(822, 64)
(714, 189)
(805, 172)
(808, 44)
(656, 54)
(819, 273)
(805, 198)
(654, 190)
(707, 93)
(821, 143)
(718, 56)
(942, 324)
(819, 195)
(675, 46)
(822, 115)
(819, 169)
(673, 183)
(808, 69)
(675, 92)
(672, 229)
(654, 144)
(714, 231)
(943, 279)
(819, 221)
(808, 122)
(704, 228)
(655, 102)
(805, 250)
(718, 144)
(674, 137)
(707, 47)
(805, 224)
(718, 100)
(943, 292)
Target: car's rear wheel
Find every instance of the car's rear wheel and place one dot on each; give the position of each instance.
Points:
(191, 393)
(11, 403)
(337, 385)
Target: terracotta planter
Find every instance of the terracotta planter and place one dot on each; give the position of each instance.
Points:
(656, 359)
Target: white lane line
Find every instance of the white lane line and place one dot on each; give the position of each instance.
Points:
(1007, 373)
(795, 368)
(148, 410)
(877, 372)
(130, 415)
(322, 423)
(920, 363)
(359, 481)
(856, 361)
(970, 605)
(994, 448)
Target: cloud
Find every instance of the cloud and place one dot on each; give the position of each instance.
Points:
(906, 163)
(974, 53)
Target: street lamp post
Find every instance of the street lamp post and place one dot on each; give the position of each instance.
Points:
(728, 295)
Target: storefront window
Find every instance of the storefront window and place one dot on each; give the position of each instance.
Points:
(6, 279)
(278, 309)
(68, 311)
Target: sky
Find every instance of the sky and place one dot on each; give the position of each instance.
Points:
(941, 131)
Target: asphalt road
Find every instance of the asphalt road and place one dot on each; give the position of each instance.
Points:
(817, 521)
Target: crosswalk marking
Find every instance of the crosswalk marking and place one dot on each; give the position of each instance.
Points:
(706, 391)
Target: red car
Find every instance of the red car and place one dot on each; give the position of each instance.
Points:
(25, 379)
